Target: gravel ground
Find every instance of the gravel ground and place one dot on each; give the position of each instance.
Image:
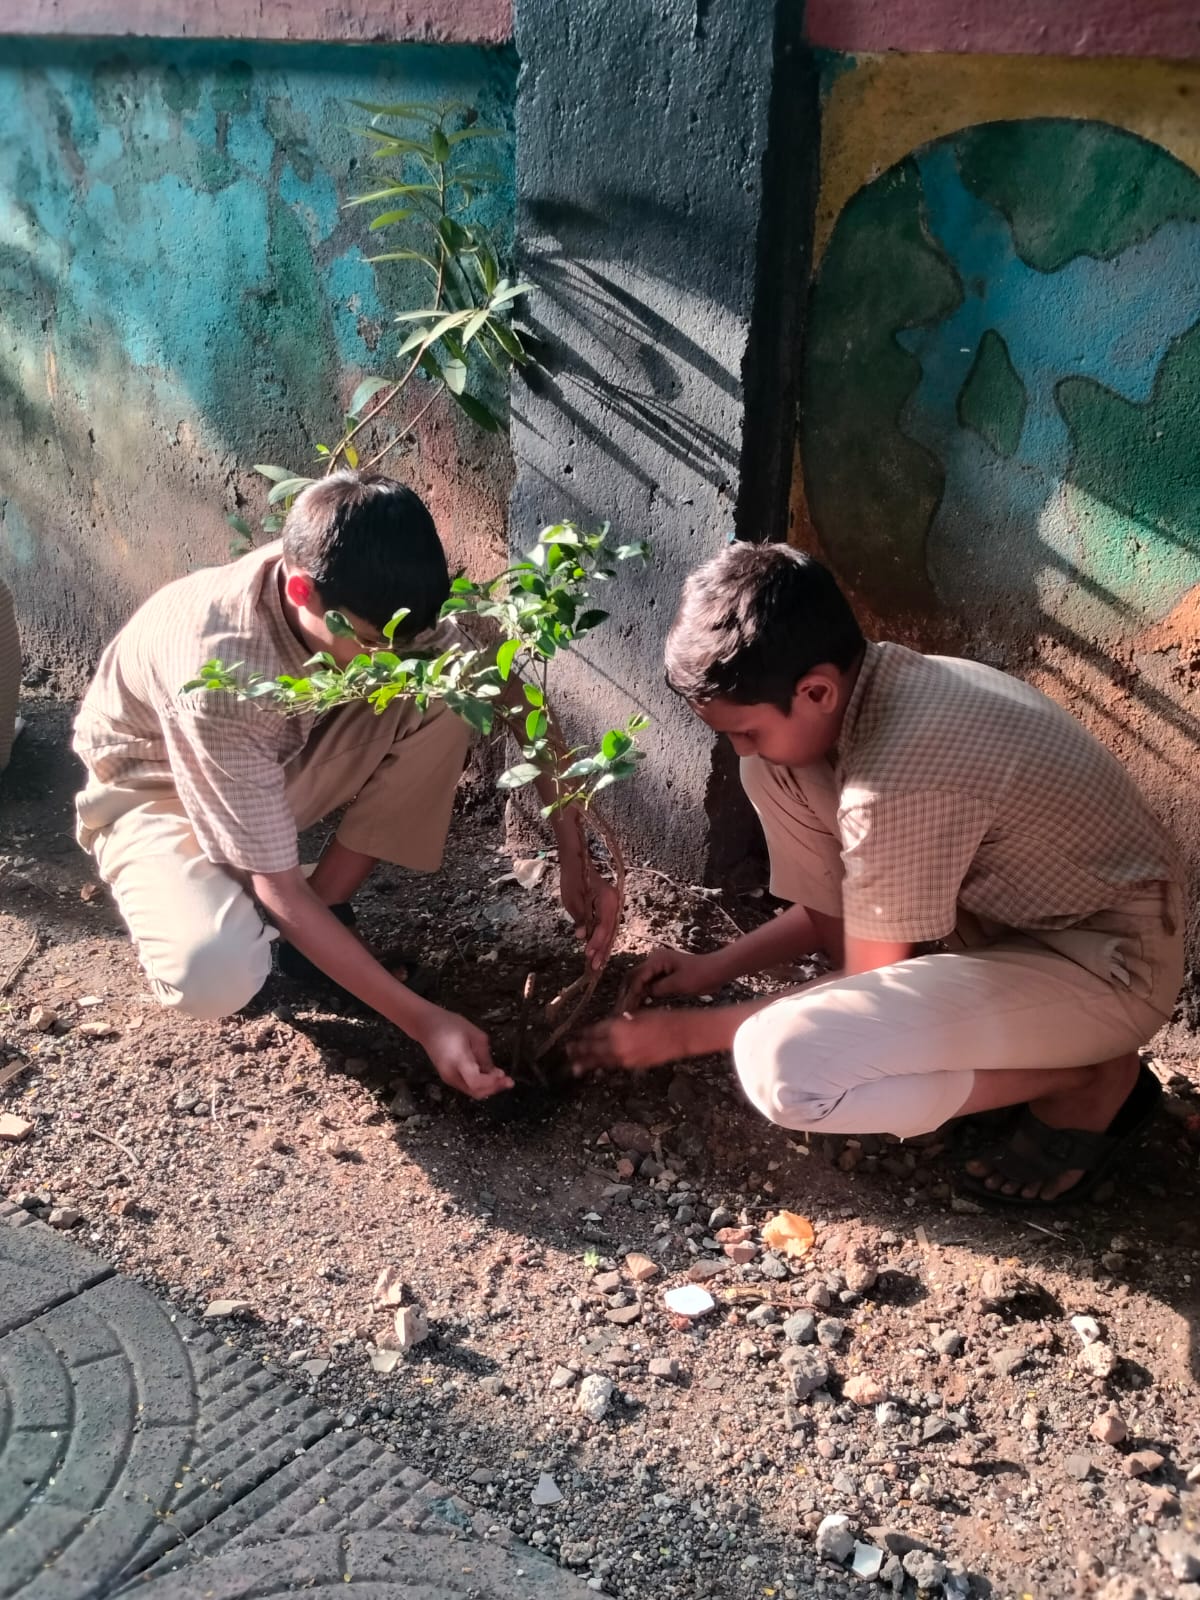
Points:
(957, 1402)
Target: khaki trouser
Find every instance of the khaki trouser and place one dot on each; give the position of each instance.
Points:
(896, 1050)
(198, 933)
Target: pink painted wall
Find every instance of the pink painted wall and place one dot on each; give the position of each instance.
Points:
(1164, 28)
(345, 21)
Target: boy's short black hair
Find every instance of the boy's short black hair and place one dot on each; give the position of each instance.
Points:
(755, 620)
(371, 548)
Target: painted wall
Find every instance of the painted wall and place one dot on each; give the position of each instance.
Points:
(1000, 435)
(182, 294)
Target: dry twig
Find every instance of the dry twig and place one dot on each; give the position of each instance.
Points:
(16, 972)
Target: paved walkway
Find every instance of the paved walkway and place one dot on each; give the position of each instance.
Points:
(140, 1455)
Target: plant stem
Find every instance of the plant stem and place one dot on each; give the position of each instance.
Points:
(409, 429)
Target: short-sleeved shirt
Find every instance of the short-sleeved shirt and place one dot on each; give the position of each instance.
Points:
(226, 759)
(959, 785)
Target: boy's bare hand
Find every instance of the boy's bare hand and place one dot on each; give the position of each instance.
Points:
(667, 973)
(590, 901)
(633, 1043)
(462, 1055)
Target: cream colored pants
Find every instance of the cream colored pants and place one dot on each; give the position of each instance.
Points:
(897, 1050)
(198, 933)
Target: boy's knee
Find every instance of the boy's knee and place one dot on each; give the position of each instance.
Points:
(771, 1083)
(216, 978)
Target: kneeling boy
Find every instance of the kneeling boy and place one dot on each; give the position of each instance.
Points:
(193, 802)
(911, 800)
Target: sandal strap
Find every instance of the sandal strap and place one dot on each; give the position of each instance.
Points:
(1038, 1152)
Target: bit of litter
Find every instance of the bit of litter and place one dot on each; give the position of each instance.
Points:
(546, 1492)
(792, 1234)
(690, 1300)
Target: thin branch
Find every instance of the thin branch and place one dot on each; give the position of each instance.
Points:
(408, 430)
(117, 1145)
(26, 958)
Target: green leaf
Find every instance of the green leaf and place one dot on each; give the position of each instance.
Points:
(393, 622)
(454, 374)
(406, 255)
(351, 455)
(509, 343)
(534, 695)
(338, 626)
(474, 325)
(614, 744)
(638, 722)
(390, 192)
(366, 390)
(286, 488)
(536, 725)
(603, 782)
(454, 236)
(502, 296)
(276, 474)
(589, 620)
(462, 585)
(385, 219)
(475, 133)
(439, 145)
(239, 525)
(579, 769)
(412, 109)
(517, 777)
(479, 413)
(506, 655)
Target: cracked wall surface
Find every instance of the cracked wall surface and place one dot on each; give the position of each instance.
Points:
(183, 294)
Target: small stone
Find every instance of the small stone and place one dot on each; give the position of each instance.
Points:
(772, 1267)
(664, 1367)
(800, 1328)
(577, 1554)
(835, 1538)
(495, 1385)
(734, 1235)
(594, 1395)
(892, 1575)
(622, 1316)
(607, 1282)
(722, 1217)
(1141, 1462)
(561, 1378)
(740, 1254)
(385, 1361)
(412, 1326)
(830, 1332)
(863, 1390)
(632, 1136)
(641, 1269)
(545, 1491)
(13, 1128)
(625, 1169)
(335, 1145)
(33, 1200)
(1078, 1467)
(1100, 1359)
(226, 1308)
(96, 1029)
(63, 1217)
(1011, 1358)
(868, 1559)
(42, 1018)
(820, 1297)
(704, 1269)
(1000, 1286)
(934, 1428)
(1087, 1328)
(926, 1571)
(762, 1316)
(748, 1350)
(1109, 1428)
(861, 1272)
(403, 1103)
(949, 1343)
(389, 1288)
(808, 1370)
(315, 1368)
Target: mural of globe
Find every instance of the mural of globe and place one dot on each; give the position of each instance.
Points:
(1001, 411)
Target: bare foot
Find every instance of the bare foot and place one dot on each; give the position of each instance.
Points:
(1090, 1109)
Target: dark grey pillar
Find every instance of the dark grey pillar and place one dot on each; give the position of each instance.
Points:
(669, 252)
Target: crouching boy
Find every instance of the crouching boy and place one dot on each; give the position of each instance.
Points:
(193, 802)
(910, 802)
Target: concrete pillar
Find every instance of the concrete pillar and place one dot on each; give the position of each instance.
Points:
(666, 161)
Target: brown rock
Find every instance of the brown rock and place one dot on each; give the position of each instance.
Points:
(632, 1136)
(863, 1390)
(641, 1269)
(1109, 1427)
(1141, 1462)
(13, 1128)
(741, 1254)
(624, 1315)
(625, 1168)
(733, 1235)
(42, 1018)
(701, 1271)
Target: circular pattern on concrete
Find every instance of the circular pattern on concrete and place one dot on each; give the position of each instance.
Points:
(370, 1566)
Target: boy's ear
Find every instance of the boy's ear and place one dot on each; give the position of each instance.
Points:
(818, 690)
(299, 588)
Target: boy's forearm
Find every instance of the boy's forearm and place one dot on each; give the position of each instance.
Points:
(306, 922)
(785, 938)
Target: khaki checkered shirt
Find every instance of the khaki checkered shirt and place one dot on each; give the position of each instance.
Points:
(959, 785)
(226, 759)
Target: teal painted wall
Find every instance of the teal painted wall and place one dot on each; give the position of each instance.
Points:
(182, 294)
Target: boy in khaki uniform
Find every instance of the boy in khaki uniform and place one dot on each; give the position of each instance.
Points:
(910, 801)
(193, 802)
